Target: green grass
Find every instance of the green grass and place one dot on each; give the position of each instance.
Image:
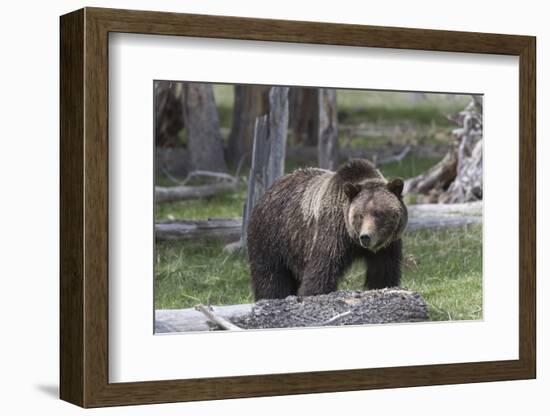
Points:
(223, 94)
(223, 205)
(356, 106)
(408, 167)
(188, 273)
(443, 265)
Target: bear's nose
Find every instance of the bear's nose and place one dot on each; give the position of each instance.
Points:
(365, 240)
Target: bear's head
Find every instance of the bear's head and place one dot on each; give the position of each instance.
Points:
(376, 214)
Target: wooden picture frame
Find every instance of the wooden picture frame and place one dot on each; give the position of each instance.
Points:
(84, 207)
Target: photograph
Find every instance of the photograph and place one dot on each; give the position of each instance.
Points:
(283, 207)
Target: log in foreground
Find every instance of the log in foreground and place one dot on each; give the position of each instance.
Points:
(217, 319)
(186, 320)
(336, 309)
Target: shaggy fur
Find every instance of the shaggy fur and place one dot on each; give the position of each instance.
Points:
(306, 230)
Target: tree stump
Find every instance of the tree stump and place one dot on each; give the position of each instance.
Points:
(458, 177)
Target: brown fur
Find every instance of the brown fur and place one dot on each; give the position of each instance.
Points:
(305, 230)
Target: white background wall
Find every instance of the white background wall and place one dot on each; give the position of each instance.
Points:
(29, 158)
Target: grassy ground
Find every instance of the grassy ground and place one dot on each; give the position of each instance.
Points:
(444, 266)
(388, 106)
(224, 205)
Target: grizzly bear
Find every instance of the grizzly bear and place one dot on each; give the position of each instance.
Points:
(310, 225)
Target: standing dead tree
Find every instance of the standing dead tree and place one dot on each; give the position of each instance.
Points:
(327, 129)
(314, 122)
(168, 113)
(458, 177)
(302, 108)
(204, 139)
(268, 154)
(251, 102)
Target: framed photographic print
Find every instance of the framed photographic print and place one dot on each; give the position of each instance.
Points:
(255, 207)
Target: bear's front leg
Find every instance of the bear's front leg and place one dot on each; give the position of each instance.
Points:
(384, 267)
(320, 276)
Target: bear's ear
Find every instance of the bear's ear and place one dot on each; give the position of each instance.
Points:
(351, 190)
(396, 186)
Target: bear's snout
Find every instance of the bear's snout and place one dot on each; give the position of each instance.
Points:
(365, 240)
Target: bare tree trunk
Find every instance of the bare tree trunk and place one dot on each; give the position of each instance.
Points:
(327, 129)
(268, 154)
(251, 101)
(278, 129)
(303, 120)
(202, 125)
(168, 113)
(459, 176)
(257, 178)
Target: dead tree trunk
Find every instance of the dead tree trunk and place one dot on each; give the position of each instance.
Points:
(327, 129)
(168, 113)
(303, 120)
(268, 154)
(278, 128)
(468, 184)
(257, 178)
(251, 102)
(459, 176)
(204, 139)
(314, 122)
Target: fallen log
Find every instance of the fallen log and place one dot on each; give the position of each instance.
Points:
(459, 209)
(394, 158)
(184, 192)
(346, 307)
(431, 222)
(226, 229)
(217, 319)
(437, 178)
(189, 319)
(422, 216)
(333, 309)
